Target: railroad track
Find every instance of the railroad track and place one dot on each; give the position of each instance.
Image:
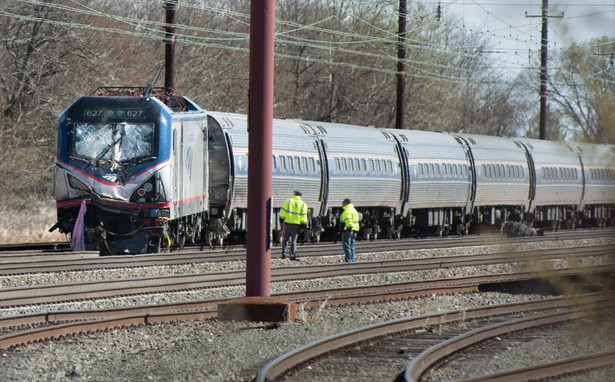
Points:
(457, 330)
(48, 325)
(38, 294)
(59, 324)
(61, 251)
(14, 263)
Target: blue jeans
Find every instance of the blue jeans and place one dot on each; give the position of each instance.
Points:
(291, 231)
(348, 239)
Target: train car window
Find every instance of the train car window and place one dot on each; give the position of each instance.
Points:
(273, 163)
(389, 167)
(371, 166)
(364, 166)
(350, 166)
(282, 164)
(337, 165)
(312, 166)
(290, 164)
(378, 168)
(298, 164)
(420, 166)
(357, 165)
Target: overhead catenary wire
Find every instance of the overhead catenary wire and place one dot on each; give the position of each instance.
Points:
(238, 41)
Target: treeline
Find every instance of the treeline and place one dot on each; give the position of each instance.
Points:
(335, 61)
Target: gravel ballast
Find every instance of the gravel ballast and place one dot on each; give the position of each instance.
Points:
(225, 351)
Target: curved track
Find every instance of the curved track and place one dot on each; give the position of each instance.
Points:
(407, 327)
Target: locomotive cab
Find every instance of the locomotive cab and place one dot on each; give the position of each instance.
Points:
(122, 154)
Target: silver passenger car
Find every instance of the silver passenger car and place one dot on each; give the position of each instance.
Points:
(440, 178)
(296, 165)
(598, 163)
(502, 177)
(558, 181)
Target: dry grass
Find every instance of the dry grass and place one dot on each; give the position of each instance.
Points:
(30, 224)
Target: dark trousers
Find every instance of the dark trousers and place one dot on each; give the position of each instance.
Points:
(291, 231)
(348, 239)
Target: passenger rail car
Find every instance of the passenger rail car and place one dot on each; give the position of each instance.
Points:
(156, 170)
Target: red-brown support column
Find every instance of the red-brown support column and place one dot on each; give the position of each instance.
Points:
(260, 125)
(258, 305)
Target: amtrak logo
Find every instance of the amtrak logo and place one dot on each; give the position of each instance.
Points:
(110, 178)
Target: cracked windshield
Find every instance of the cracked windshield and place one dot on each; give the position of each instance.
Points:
(116, 142)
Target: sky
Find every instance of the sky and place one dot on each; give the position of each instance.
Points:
(515, 37)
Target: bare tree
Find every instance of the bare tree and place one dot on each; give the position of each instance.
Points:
(583, 90)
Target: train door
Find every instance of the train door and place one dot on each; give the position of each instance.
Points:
(532, 175)
(221, 176)
(472, 173)
(324, 177)
(402, 154)
(177, 173)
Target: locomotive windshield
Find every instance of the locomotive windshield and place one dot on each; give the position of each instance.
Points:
(114, 142)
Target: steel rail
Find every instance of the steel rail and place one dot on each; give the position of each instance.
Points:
(290, 360)
(19, 296)
(556, 369)
(27, 262)
(14, 268)
(427, 359)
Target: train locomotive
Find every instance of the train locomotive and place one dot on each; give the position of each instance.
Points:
(155, 170)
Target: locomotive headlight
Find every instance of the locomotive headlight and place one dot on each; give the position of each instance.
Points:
(149, 191)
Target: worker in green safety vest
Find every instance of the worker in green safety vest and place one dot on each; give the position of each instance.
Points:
(293, 217)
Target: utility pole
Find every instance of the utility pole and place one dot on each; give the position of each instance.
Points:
(543, 67)
(401, 66)
(169, 43)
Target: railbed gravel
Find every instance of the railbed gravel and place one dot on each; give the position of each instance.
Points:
(210, 350)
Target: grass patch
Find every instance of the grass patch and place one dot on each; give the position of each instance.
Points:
(29, 224)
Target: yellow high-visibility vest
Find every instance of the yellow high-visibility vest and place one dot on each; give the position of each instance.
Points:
(294, 211)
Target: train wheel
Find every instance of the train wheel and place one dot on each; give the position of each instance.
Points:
(316, 236)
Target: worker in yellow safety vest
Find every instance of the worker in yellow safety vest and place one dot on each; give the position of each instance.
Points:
(350, 222)
(293, 217)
